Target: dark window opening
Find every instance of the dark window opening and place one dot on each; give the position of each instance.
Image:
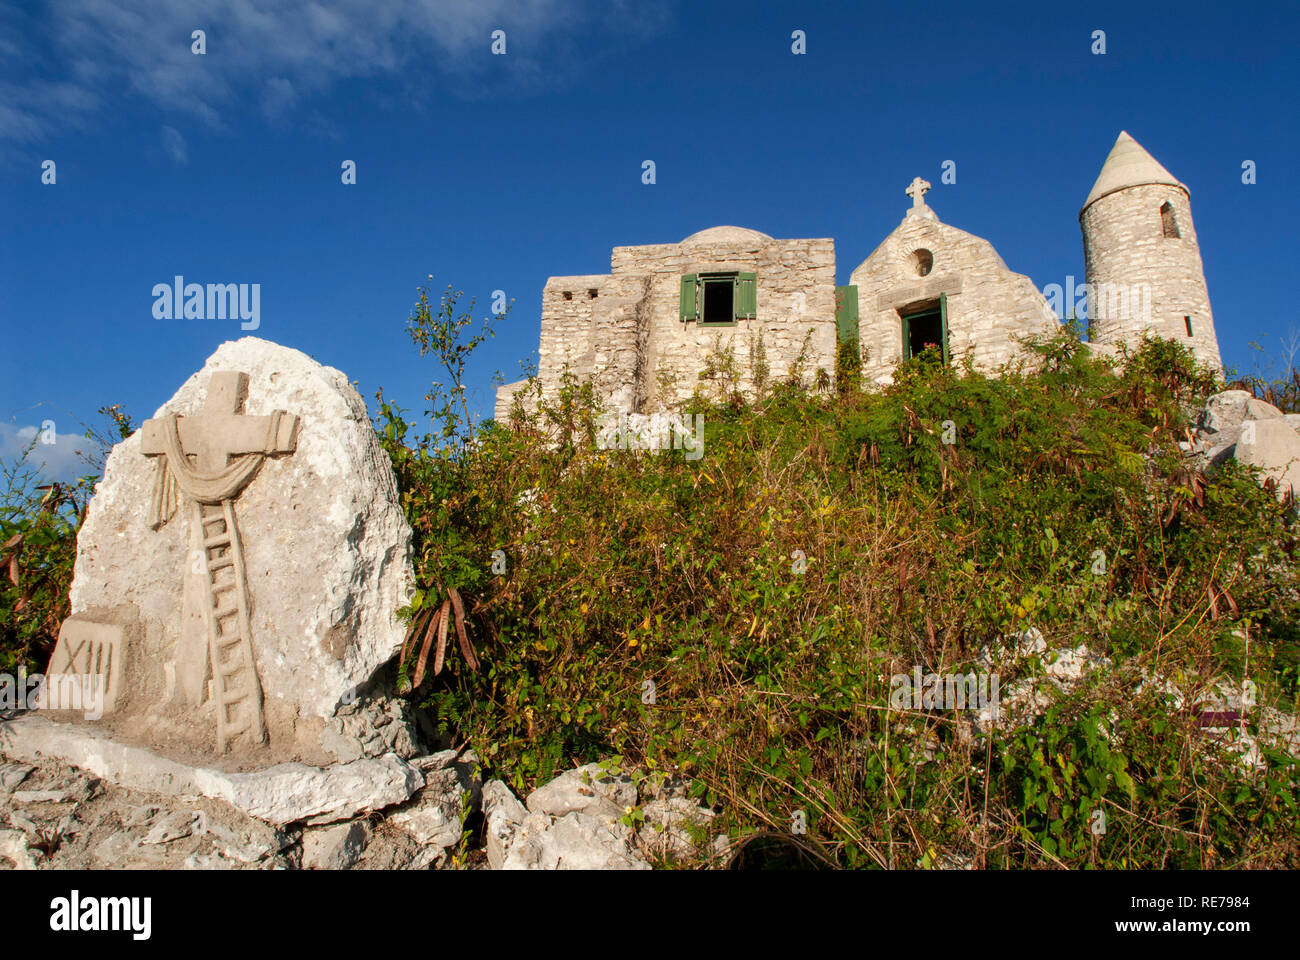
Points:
(719, 301)
(1188, 322)
(568, 294)
(591, 294)
(719, 298)
(922, 332)
(1169, 222)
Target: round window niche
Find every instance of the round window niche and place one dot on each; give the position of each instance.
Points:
(922, 262)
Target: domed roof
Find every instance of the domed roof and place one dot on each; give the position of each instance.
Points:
(1128, 165)
(727, 235)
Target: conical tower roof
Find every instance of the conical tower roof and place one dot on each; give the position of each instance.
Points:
(1129, 166)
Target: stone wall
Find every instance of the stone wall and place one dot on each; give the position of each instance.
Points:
(589, 330)
(624, 330)
(1125, 250)
(505, 399)
(795, 301)
(989, 307)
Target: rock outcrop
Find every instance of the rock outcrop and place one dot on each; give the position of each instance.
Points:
(590, 819)
(324, 547)
(1236, 424)
(54, 815)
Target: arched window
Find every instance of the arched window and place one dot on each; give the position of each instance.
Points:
(1168, 221)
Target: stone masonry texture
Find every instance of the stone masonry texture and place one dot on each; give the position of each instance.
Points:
(623, 329)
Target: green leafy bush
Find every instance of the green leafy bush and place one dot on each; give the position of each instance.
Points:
(766, 593)
(39, 521)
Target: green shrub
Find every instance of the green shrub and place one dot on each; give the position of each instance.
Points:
(39, 521)
(824, 543)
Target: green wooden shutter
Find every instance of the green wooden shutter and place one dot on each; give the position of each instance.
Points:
(745, 302)
(943, 323)
(846, 313)
(690, 300)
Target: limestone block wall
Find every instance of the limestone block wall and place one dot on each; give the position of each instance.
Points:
(1126, 251)
(589, 328)
(795, 293)
(506, 399)
(988, 305)
(569, 335)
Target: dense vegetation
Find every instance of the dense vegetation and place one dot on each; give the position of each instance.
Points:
(825, 542)
(766, 592)
(39, 520)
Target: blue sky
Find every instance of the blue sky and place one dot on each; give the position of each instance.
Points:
(495, 172)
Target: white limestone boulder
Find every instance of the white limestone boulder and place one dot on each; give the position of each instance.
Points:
(575, 841)
(1235, 424)
(1224, 411)
(674, 827)
(566, 826)
(588, 789)
(326, 549)
(451, 789)
(1275, 448)
(577, 822)
(336, 847)
(282, 794)
(502, 813)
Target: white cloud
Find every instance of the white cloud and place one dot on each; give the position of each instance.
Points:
(278, 98)
(277, 56)
(61, 460)
(175, 145)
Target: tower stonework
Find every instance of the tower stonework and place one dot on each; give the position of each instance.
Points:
(1142, 260)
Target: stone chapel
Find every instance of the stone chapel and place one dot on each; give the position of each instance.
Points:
(643, 330)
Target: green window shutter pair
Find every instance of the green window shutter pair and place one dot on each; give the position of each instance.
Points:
(746, 299)
(744, 302)
(690, 297)
(846, 313)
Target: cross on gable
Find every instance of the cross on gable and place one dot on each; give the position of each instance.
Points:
(917, 191)
(220, 431)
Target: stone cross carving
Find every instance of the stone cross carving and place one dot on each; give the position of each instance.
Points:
(227, 449)
(917, 191)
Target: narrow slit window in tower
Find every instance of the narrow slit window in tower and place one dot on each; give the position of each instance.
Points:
(1169, 222)
(1188, 322)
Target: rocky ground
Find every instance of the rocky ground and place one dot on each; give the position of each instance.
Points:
(1235, 424)
(56, 816)
(1227, 715)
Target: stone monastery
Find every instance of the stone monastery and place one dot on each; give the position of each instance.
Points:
(643, 330)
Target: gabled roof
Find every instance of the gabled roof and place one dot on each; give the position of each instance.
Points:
(1128, 165)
